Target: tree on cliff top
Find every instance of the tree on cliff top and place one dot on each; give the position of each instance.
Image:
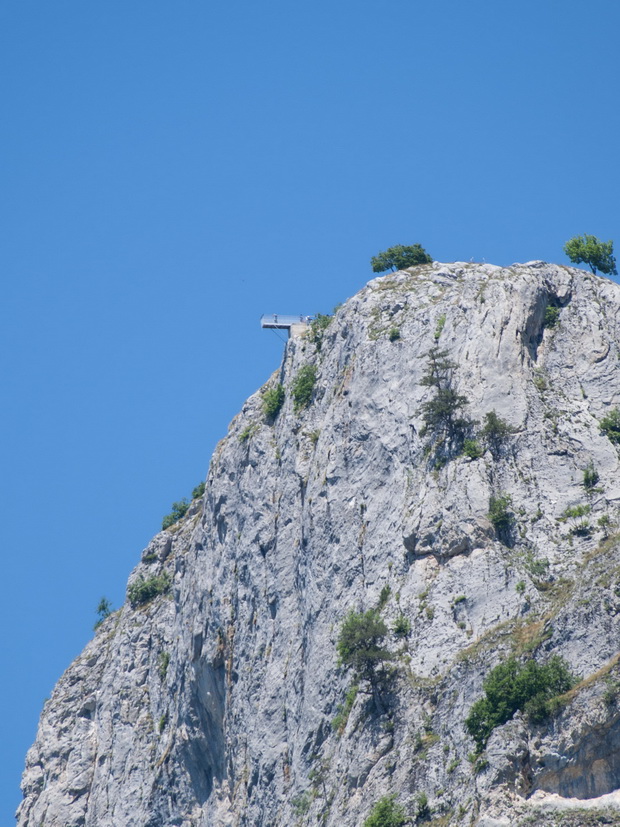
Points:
(590, 250)
(400, 257)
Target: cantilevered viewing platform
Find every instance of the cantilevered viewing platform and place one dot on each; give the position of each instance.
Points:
(294, 324)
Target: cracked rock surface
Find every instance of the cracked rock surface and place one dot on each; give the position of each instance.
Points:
(213, 702)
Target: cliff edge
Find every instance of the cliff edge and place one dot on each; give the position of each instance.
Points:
(210, 697)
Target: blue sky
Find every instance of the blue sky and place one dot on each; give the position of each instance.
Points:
(170, 171)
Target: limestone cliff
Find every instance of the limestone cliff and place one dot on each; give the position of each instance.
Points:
(213, 702)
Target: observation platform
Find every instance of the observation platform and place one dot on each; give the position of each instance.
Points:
(294, 324)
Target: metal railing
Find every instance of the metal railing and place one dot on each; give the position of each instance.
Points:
(275, 320)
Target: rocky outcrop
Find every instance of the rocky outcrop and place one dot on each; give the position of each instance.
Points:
(212, 703)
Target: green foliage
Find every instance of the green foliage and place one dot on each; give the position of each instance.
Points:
(472, 448)
(495, 433)
(501, 516)
(198, 491)
(610, 425)
(520, 587)
(393, 334)
(162, 665)
(441, 323)
(301, 803)
(399, 257)
(442, 416)
(142, 591)
(590, 477)
(179, 510)
(513, 686)
(247, 432)
(384, 596)
(423, 811)
(575, 511)
(104, 610)
(386, 813)
(317, 329)
(273, 399)
(402, 626)
(342, 713)
(162, 722)
(303, 385)
(359, 643)
(590, 250)
(551, 317)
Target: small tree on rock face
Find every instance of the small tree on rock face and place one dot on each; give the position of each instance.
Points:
(442, 415)
(590, 250)
(359, 644)
(399, 257)
(495, 433)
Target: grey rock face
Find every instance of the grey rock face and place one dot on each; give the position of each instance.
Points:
(213, 704)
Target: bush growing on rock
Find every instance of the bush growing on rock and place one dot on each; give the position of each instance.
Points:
(513, 686)
(303, 385)
(273, 399)
(386, 813)
(179, 510)
(142, 591)
(610, 425)
(495, 433)
(502, 517)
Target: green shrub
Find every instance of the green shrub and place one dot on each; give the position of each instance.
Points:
(142, 591)
(386, 813)
(247, 432)
(590, 477)
(552, 316)
(162, 665)
(393, 334)
(342, 713)
(198, 491)
(402, 626)
(575, 511)
(384, 596)
(472, 449)
(317, 329)
(301, 803)
(501, 516)
(441, 323)
(495, 433)
(423, 811)
(273, 399)
(513, 686)
(179, 510)
(610, 425)
(303, 385)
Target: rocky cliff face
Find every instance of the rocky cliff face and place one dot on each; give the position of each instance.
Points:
(213, 702)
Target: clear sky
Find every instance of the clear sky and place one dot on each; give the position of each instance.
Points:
(172, 170)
